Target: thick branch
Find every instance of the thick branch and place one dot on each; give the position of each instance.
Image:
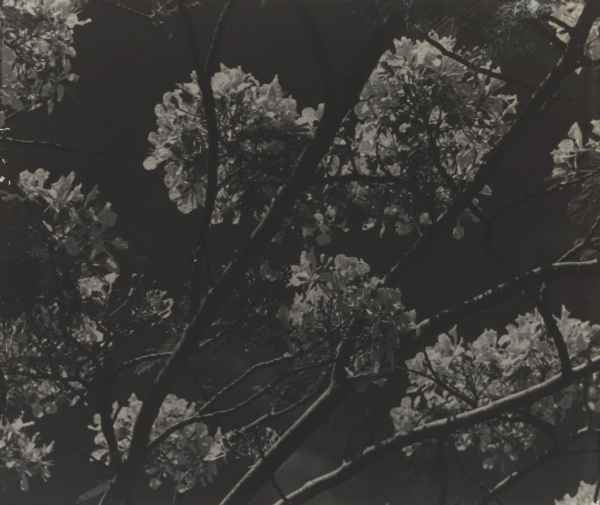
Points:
(319, 49)
(440, 428)
(493, 160)
(217, 296)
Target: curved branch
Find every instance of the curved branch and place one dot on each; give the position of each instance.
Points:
(437, 429)
(210, 67)
(319, 49)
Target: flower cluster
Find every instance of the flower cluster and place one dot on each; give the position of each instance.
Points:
(332, 294)
(37, 49)
(426, 121)
(74, 224)
(23, 454)
(260, 136)
(453, 377)
(578, 160)
(584, 496)
(573, 157)
(19, 353)
(181, 457)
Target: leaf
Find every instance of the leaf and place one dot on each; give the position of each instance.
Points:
(488, 464)
(106, 216)
(154, 483)
(71, 246)
(120, 244)
(150, 163)
(37, 410)
(323, 239)
(458, 232)
(24, 481)
(576, 135)
(566, 402)
(50, 408)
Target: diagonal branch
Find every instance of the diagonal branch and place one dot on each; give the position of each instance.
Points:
(428, 327)
(210, 67)
(515, 477)
(494, 159)
(319, 49)
(439, 428)
(469, 476)
(273, 481)
(480, 70)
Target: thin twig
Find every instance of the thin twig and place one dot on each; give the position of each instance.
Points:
(87, 456)
(480, 70)
(60, 147)
(160, 265)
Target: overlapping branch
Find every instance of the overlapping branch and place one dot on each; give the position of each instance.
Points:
(436, 429)
(492, 162)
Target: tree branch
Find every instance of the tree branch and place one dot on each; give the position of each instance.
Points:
(160, 265)
(128, 10)
(319, 49)
(218, 295)
(493, 160)
(210, 67)
(480, 70)
(465, 471)
(141, 359)
(439, 428)
(60, 147)
(3, 395)
(511, 480)
(201, 416)
(428, 327)
(212, 128)
(273, 481)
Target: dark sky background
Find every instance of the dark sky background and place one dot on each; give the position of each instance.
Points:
(126, 65)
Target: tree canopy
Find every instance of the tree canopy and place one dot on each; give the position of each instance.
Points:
(404, 154)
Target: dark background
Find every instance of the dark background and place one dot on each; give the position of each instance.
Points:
(126, 65)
